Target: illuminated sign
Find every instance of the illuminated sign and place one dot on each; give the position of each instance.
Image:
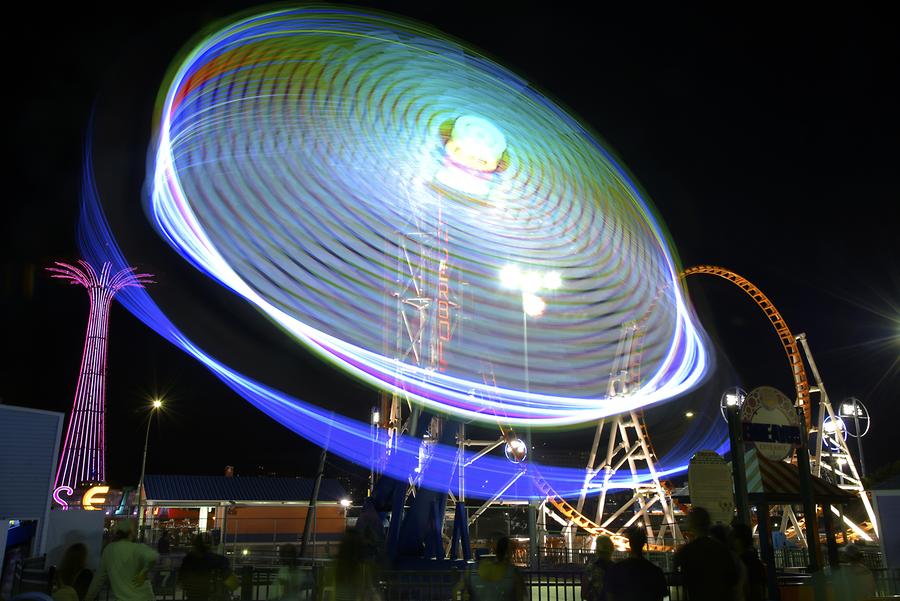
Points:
(711, 485)
(770, 423)
(92, 497)
(58, 497)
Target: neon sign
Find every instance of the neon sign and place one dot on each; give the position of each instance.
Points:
(92, 497)
(56, 495)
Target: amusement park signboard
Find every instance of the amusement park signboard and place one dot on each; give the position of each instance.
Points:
(770, 423)
(711, 485)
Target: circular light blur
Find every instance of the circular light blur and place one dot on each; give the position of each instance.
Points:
(516, 450)
(333, 166)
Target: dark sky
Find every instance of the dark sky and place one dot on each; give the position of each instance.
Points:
(766, 139)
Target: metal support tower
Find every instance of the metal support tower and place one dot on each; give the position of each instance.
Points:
(832, 456)
(426, 306)
(628, 444)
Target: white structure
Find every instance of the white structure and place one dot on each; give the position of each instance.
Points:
(29, 447)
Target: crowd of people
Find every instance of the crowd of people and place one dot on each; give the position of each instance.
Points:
(718, 563)
(126, 567)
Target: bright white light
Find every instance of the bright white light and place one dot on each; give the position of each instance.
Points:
(245, 552)
(476, 143)
(731, 400)
(376, 417)
(533, 306)
(830, 426)
(552, 280)
(531, 281)
(689, 414)
(345, 502)
(847, 409)
(515, 450)
(511, 277)
(157, 404)
(464, 181)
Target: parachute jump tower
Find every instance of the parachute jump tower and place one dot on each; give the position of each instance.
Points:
(83, 457)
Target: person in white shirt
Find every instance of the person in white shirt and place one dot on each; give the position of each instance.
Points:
(124, 564)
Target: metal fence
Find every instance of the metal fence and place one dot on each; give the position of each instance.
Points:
(555, 558)
(258, 583)
(559, 558)
(799, 558)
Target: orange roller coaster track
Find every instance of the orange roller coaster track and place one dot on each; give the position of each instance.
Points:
(788, 341)
(795, 361)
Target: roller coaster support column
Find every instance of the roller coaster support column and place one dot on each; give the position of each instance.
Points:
(736, 439)
(460, 515)
(809, 505)
(460, 532)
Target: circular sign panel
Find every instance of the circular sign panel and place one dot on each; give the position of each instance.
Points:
(771, 422)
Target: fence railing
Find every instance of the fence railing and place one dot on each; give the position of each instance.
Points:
(259, 584)
(799, 558)
(553, 558)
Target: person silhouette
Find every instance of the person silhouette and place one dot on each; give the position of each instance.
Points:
(72, 577)
(594, 576)
(635, 578)
(707, 566)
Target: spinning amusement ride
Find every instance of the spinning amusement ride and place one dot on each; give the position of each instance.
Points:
(430, 222)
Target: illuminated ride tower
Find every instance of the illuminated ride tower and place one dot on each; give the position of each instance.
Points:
(83, 457)
(423, 320)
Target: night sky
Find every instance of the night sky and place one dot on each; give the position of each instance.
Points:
(766, 140)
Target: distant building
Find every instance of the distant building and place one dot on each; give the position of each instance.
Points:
(242, 513)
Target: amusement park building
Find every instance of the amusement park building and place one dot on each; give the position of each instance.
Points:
(242, 512)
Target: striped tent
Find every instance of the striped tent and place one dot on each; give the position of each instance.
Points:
(779, 482)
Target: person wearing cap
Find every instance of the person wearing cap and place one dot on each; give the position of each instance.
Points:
(593, 578)
(124, 564)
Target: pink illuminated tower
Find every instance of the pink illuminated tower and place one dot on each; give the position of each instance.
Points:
(83, 458)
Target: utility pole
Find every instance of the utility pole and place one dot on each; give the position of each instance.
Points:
(311, 512)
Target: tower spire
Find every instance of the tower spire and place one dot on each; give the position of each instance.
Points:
(83, 457)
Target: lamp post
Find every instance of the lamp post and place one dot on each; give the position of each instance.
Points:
(154, 407)
(528, 284)
(854, 407)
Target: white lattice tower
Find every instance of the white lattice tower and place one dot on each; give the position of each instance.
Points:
(628, 450)
(832, 456)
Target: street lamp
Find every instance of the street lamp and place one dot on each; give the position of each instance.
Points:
(155, 406)
(733, 397)
(528, 283)
(854, 408)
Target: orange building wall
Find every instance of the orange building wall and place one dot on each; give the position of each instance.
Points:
(283, 519)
